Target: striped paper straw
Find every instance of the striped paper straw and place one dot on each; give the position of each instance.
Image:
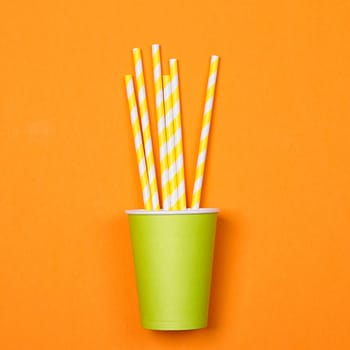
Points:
(180, 172)
(162, 142)
(170, 141)
(145, 124)
(203, 145)
(134, 117)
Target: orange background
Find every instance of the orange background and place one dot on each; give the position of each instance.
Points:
(278, 167)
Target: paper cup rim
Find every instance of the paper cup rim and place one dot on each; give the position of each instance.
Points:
(172, 212)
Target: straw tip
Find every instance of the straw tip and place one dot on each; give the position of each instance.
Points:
(135, 49)
(215, 57)
(155, 49)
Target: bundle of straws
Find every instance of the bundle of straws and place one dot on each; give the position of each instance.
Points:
(167, 100)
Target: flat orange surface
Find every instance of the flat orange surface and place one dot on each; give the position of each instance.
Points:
(278, 168)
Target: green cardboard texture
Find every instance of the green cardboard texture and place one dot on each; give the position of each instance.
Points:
(173, 256)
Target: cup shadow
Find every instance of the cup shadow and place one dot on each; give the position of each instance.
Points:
(223, 267)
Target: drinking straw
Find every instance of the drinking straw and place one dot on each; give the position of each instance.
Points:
(162, 141)
(134, 117)
(180, 173)
(145, 124)
(170, 141)
(203, 145)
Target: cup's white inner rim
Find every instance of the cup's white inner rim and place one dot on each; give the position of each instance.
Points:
(172, 212)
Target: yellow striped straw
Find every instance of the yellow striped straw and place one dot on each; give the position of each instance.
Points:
(135, 123)
(170, 141)
(203, 145)
(162, 141)
(180, 172)
(145, 124)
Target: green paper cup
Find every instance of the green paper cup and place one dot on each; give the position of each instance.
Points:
(173, 255)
